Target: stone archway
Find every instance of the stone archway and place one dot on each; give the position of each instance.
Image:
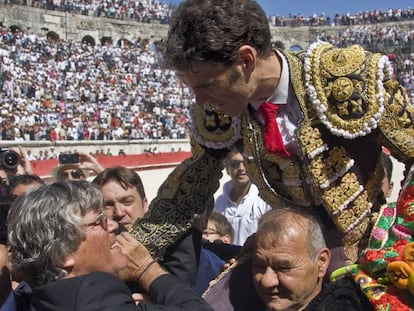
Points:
(105, 40)
(15, 28)
(123, 43)
(88, 40)
(53, 36)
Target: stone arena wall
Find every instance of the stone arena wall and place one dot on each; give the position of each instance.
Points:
(77, 27)
(91, 146)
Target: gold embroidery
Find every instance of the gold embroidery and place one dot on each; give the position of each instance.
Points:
(397, 123)
(345, 86)
(351, 217)
(342, 89)
(328, 170)
(311, 140)
(337, 197)
(278, 178)
(358, 234)
(343, 62)
(213, 125)
(185, 194)
(213, 128)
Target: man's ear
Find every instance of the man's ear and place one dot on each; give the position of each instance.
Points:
(145, 204)
(247, 57)
(324, 259)
(68, 263)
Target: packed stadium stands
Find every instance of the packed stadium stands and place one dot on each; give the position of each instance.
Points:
(65, 90)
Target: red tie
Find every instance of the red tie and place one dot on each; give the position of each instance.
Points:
(272, 137)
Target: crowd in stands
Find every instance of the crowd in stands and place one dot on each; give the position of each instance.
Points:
(57, 90)
(65, 90)
(148, 11)
(373, 16)
(394, 41)
(145, 11)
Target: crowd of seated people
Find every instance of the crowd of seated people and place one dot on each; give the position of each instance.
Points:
(373, 16)
(148, 11)
(145, 11)
(64, 90)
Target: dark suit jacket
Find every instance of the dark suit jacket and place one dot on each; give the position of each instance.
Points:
(100, 291)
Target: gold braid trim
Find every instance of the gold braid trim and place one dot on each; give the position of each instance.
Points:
(345, 86)
(397, 123)
(186, 194)
(221, 275)
(279, 179)
(212, 128)
(325, 176)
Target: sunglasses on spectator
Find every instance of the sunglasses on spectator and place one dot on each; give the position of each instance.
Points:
(235, 163)
(101, 220)
(76, 174)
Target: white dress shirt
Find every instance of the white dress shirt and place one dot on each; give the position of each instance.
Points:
(289, 113)
(244, 216)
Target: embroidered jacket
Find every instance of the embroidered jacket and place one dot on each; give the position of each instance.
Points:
(350, 107)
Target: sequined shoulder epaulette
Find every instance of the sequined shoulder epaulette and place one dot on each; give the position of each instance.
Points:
(345, 86)
(214, 129)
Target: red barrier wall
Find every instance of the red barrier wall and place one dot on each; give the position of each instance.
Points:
(134, 161)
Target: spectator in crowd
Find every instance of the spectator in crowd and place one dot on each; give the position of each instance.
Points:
(387, 183)
(8, 175)
(5, 267)
(112, 109)
(217, 237)
(69, 172)
(149, 11)
(18, 184)
(240, 202)
(81, 269)
(290, 262)
(285, 268)
(77, 171)
(124, 195)
(324, 145)
(218, 228)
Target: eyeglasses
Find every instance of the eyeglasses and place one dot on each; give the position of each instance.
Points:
(235, 163)
(76, 174)
(101, 220)
(211, 231)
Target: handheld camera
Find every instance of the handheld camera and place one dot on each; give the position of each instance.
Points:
(9, 159)
(70, 158)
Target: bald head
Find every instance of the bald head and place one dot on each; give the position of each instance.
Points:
(290, 224)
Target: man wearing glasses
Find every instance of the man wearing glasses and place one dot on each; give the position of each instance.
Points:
(64, 246)
(240, 201)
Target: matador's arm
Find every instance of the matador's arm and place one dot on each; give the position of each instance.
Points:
(182, 198)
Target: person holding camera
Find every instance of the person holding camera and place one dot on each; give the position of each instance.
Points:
(14, 161)
(75, 166)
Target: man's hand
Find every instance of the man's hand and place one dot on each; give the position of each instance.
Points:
(137, 254)
(89, 162)
(141, 267)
